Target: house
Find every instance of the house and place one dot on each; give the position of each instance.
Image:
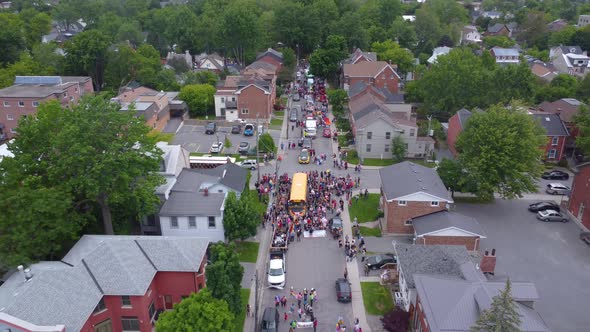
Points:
(213, 62)
(570, 60)
(557, 25)
(359, 56)
(245, 96)
(505, 56)
(457, 123)
(104, 283)
(544, 71)
(567, 109)
(377, 73)
(446, 227)
(470, 35)
(272, 57)
(187, 58)
(436, 52)
(498, 29)
(556, 133)
(579, 201)
(196, 201)
(24, 96)
(583, 21)
(455, 303)
(409, 191)
(492, 15)
(409, 18)
(60, 33)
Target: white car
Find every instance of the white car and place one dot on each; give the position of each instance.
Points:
(557, 188)
(249, 164)
(276, 273)
(216, 147)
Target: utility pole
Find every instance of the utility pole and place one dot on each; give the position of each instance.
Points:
(256, 299)
(257, 148)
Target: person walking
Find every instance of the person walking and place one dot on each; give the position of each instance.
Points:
(315, 324)
(366, 270)
(286, 316)
(346, 273)
(248, 310)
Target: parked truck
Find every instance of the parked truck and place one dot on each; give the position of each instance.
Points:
(276, 269)
(310, 128)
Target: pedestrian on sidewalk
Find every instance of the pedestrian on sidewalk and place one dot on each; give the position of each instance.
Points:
(248, 310)
(366, 270)
(345, 273)
(315, 324)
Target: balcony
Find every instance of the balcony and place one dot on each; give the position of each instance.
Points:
(231, 105)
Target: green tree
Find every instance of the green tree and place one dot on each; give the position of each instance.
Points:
(26, 66)
(398, 148)
(390, 51)
(502, 316)
(582, 38)
(198, 97)
(12, 38)
(337, 98)
(583, 92)
(86, 55)
(45, 54)
(240, 217)
(582, 120)
(198, 312)
(224, 275)
(500, 151)
(36, 25)
(200, 77)
(533, 31)
(94, 152)
(266, 143)
(500, 41)
(452, 175)
(562, 37)
(240, 28)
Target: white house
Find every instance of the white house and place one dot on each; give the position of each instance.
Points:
(470, 35)
(438, 51)
(570, 60)
(505, 56)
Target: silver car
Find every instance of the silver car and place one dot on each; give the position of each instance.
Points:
(557, 189)
(217, 147)
(551, 215)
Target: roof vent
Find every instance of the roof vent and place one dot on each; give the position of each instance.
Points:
(419, 180)
(547, 119)
(423, 188)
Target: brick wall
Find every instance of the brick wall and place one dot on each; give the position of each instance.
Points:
(387, 79)
(453, 133)
(256, 101)
(470, 242)
(581, 196)
(397, 215)
(418, 317)
(560, 147)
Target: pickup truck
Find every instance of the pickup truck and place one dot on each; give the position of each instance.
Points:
(276, 269)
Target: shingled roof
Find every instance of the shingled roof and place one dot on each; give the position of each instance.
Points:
(407, 178)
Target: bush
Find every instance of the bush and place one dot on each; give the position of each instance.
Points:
(562, 163)
(396, 321)
(266, 143)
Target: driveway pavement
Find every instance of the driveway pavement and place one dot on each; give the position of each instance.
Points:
(548, 254)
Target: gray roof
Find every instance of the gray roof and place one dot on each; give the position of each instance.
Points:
(552, 124)
(496, 27)
(444, 219)
(452, 304)
(463, 115)
(40, 86)
(193, 204)
(571, 49)
(272, 52)
(67, 292)
(446, 260)
(500, 51)
(390, 98)
(408, 178)
(230, 174)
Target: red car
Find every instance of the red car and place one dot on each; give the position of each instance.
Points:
(327, 133)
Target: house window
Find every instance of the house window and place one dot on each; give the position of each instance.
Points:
(245, 111)
(222, 100)
(9, 117)
(174, 222)
(434, 203)
(408, 222)
(192, 222)
(554, 140)
(130, 324)
(368, 147)
(35, 104)
(21, 103)
(125, 301)
(211, 221)
(412, 132)
(100, 307)
(152, 310)
(6, 104)
(386, 149)
(402, 203)
(387, 135)
(369, 135)
(233, 98)
(551, 154)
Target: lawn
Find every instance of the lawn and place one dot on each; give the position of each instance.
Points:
(369, 231)
(365, 209)
(161, 137)
(276, 122)
(354, 159)
(248, 251)
(279, 114)
(239, 320)
(377, 298)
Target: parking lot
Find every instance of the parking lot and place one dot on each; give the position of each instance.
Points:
(542, 183)
(548, 254)
(194, 139)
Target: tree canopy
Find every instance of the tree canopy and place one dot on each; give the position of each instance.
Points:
(224, 275)
(502, 316)
(199, 98)
(582, 120)
(240, 217)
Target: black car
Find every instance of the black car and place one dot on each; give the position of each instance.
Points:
(377, 261)
(270, 320)
(306, 144)
(236, 129)
(211, 128)
(542, 206)
(555, 175)
(343, 291)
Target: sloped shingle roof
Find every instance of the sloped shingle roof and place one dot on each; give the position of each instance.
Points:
(443, 220)
(552, 124)
(365, 68)
(407, 178)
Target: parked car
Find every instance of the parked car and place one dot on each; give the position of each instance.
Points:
(216, 147)
(555, 175)
(304, 157)
(343, 291)
(327, 133)
(248, 129)
(244, 147)
(236, 129)
(551, 215)
(585, 236)
(557, 189)
(296, 97)
(542, 206)
(249, 164)
(211, 128)
(270, 320)
(293, 116)
(335, 223)
(306, 143)
(377, 261)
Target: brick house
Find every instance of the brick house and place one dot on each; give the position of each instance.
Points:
(409, 191)
(272, 57)
(567, 109)
(498, 29)
(379, 74)
(446, 227)
(579, 201)
(457, 123)
(105, 283)
(359, 56)
(556, 133)
(245, 96)
(24, 96)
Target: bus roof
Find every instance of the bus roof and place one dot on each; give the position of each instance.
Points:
(299, 187)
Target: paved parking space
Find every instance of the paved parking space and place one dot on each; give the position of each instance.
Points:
(548, 254)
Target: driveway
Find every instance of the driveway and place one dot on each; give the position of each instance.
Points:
(548, 254)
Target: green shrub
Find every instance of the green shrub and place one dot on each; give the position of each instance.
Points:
(562, 163)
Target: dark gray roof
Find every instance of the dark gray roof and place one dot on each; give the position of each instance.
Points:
(444, 219)
(451, 304)
(496, 27)
(356, 88)
(193, 204)
(230, 174)
(463, 115)
(408, 178)
(272, 52)
(431, 259)
(390, 98)
(551, 123)
(571, 49)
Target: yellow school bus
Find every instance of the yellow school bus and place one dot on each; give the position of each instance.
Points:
(298, 198)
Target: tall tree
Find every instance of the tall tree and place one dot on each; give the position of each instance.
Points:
(240, 217)
(398, 148)
(86, 55)
(93, 151)
(500, 151)
(502, 316)
(582, 120)
(224, 275)
(36, 25)
(12, 38)
(198, 312)
(390, 51)
(199, 98)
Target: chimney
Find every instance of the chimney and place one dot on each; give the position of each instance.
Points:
(26, 272)
(206, 192)
(488, 262)
(558, 111)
